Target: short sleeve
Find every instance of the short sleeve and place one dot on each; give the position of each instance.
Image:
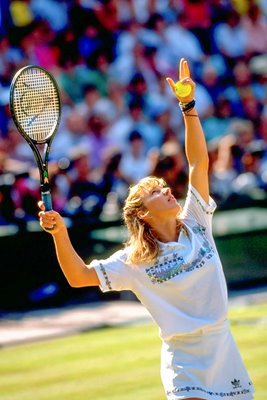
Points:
(113, 273)
(196, 208)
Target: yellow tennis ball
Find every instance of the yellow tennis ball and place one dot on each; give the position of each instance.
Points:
(182, 89)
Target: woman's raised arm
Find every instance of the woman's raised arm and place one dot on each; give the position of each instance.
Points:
(195, 142)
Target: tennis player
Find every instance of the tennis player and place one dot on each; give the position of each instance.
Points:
(171, 264)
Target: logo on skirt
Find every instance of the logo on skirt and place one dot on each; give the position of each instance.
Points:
(236, 384)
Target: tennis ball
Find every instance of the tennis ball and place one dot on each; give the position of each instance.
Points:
(182, 89)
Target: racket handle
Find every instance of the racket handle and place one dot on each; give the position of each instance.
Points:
(46, 198)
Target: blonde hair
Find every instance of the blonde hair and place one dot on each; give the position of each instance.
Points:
(143, 246)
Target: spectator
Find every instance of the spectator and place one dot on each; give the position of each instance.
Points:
(89, 42)
(70, 80)
(111, 60)
(222, 170)
(54, 12)
(72, 135)
(39, 48)
(249, 182)
(135, 120)
(244, 85)
(113, 182)
(137, 90)
(135, 163)
(117, 95)
(128, 38)
(230, 37)
(171, 166)
(140, 60)
(197, 19)
(206, 103)
(22, 21)
(100, 143)
(67, 44)
(255, 26)
(251, 108)
(98, 66)
(243, 130)
(18, 149)
(220, 123)
(85, 197)
(10, 57)
(152, 35)
(188, 44)
(106, 13)
(213, 75)
(90, 98)
(7, 206)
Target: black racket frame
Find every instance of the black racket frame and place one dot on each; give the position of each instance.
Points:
(41, 160)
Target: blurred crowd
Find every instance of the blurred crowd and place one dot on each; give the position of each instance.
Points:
(120, 120)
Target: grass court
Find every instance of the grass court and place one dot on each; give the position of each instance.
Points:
(116, 363)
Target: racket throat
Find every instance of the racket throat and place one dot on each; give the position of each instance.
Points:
(44, 177)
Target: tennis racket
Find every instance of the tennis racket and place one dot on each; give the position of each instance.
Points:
(36, 109)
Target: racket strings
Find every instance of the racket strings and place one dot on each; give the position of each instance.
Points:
(36, 104)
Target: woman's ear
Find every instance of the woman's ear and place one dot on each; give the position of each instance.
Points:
(142, 214)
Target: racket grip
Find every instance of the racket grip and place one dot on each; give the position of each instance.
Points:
(47, 200)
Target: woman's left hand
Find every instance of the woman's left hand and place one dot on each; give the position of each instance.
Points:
(184, 79)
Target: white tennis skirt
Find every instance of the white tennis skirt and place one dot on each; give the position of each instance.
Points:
(206, 365)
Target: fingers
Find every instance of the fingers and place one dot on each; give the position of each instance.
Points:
(181, 69)
(184, 89)
(184, 74)
(184, 71)
(41, 205)
(50, 221)
(171, 83)
(47, 220)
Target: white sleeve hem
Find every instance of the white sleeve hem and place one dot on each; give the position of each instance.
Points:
(209, 207)
(105, 283)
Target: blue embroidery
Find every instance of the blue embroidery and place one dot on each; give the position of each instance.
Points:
(168, 267)
(219, 394)
(104, 272)
(166, 270)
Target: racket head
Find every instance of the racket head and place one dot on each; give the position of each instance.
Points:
(35, 104)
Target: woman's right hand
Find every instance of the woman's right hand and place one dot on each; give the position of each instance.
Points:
(50, 221)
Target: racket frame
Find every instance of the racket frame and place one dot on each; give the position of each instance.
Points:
(41, 160)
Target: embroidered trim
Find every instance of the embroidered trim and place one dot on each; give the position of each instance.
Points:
(167, 269)
(171, 266)
(219, 394)
(104, 272)
(200, 204)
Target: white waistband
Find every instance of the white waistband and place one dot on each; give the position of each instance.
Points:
(205, 330)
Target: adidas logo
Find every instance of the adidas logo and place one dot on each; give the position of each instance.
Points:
(236, 383)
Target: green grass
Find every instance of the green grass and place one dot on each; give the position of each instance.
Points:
(117, 363)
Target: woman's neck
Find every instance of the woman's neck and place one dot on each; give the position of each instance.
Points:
(166, 231)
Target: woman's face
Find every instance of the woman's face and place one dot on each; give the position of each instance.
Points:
(159, 201)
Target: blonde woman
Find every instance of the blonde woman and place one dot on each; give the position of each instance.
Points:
(171, 263)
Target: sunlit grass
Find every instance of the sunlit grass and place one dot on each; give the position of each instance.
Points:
(116, 363)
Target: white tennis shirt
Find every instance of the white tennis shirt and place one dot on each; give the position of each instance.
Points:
(185, 289)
